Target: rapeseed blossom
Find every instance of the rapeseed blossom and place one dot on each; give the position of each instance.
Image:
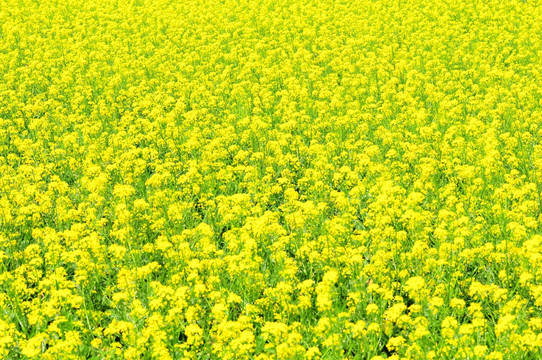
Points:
(270, 179)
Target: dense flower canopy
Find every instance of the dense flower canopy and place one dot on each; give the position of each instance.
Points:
(276, 179)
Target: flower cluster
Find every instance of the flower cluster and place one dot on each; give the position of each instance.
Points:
(270, 179)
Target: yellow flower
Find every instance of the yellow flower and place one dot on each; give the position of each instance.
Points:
(371, 309)
(123, 191)
(194, 334)
(35, 345)
(312, 353)
(414, 285)
(457, 303)
(395, 343)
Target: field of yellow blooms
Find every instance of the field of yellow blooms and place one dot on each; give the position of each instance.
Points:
(276, 179)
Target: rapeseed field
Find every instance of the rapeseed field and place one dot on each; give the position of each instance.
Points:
(273, 179)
